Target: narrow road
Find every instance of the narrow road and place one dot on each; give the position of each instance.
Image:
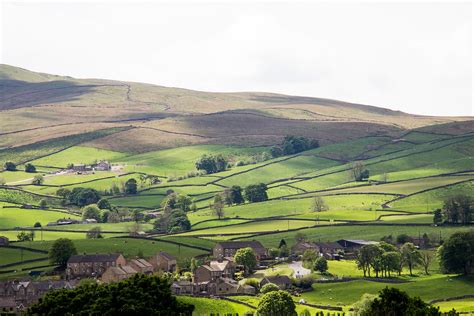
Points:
(299, 271)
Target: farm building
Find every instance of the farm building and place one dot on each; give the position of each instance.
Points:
(163, 261)
(229, 248)
(4, 241)
(92, 265)
(355, 244)
(118, 273)
(282, 281)
(141, 265)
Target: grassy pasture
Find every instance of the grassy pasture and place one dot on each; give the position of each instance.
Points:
(465, 305)
(115, 227)
(431, 200)
(42, 235)
(194, 241)
(179, 161)
(18, 217)
(347, 293)
(260, 226)
(217, 223)
(127, 246)
(410, 186)
(36, 150)
(347, 207)
(144, 201)
(12, 177)
(369, 232)
(78, 155)
(11, 255)
(206, 306)
(284, 169)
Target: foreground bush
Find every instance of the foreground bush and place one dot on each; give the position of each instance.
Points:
(139, 295)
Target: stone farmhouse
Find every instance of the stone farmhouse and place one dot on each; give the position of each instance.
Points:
(163, 261)
(141, 265)
(282, 281)
(229, 248)
(79, 266)
(118, 273)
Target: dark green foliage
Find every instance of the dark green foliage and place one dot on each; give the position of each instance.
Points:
(211, 164)
(37, 180)
(403, 238)
(172, 221)
(269, 287)
(246, 257)
(458, 209)
(320, 265)
(104, 204)
(256, 192)
(276, 303)
(456, 255)
(181, 202)
(293, 145)
(139, 295)
(61, 250)
(282, 243)
(236, 195)
(94, 232)
(131, 186)
(437, 217)
(37, 225)
(24, 236)
(9, 166)
(43, 204)
(137, 216)
(392, 301)
(30, 168)
(63, 192)
(91, 212)
(83, 196)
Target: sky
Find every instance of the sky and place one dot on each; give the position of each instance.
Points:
(412, 57)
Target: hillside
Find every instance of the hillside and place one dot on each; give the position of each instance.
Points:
(36, 107)
(154, 135)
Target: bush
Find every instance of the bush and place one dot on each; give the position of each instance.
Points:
(37, 180)
(269, 287)
(320, 265)
(276, 303)
(30, 168)
(43, 204)
(9, 166)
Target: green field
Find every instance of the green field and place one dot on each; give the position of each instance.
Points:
(18, 217)
(78, 155)
(347, 293)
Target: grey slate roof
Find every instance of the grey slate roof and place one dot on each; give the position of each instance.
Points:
(94, 258)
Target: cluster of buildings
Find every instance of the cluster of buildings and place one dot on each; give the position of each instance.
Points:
(68, 221)
(114, 267)
(346, 248)
(15, 296)
(216, 277)
(102, 165)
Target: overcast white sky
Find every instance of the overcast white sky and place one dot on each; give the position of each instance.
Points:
(414, 57)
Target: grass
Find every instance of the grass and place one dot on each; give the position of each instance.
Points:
(275, 171)
(347, 293)
(78, 155)
(116, 227)
(18, 217)
(431, 200)
(279, 269)
(465, 305)
(127, 246)
(42, 235)
(30, 152)
(260, 226)
(179, 161)
(11, 255)
(369, 232)
(206, 306)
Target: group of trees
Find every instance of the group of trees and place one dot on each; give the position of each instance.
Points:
(392, 301)
(314, 261)
(358, 171)
(26, 236)
(11, 166)
(174, 218)
(456, 255)
(211, 163)
(293, 145)
(256, 192)
(385, 258)
(457, 209)
(138, 295)
(246, 257)
(80, 196)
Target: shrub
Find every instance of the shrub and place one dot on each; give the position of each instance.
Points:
(269, 287)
